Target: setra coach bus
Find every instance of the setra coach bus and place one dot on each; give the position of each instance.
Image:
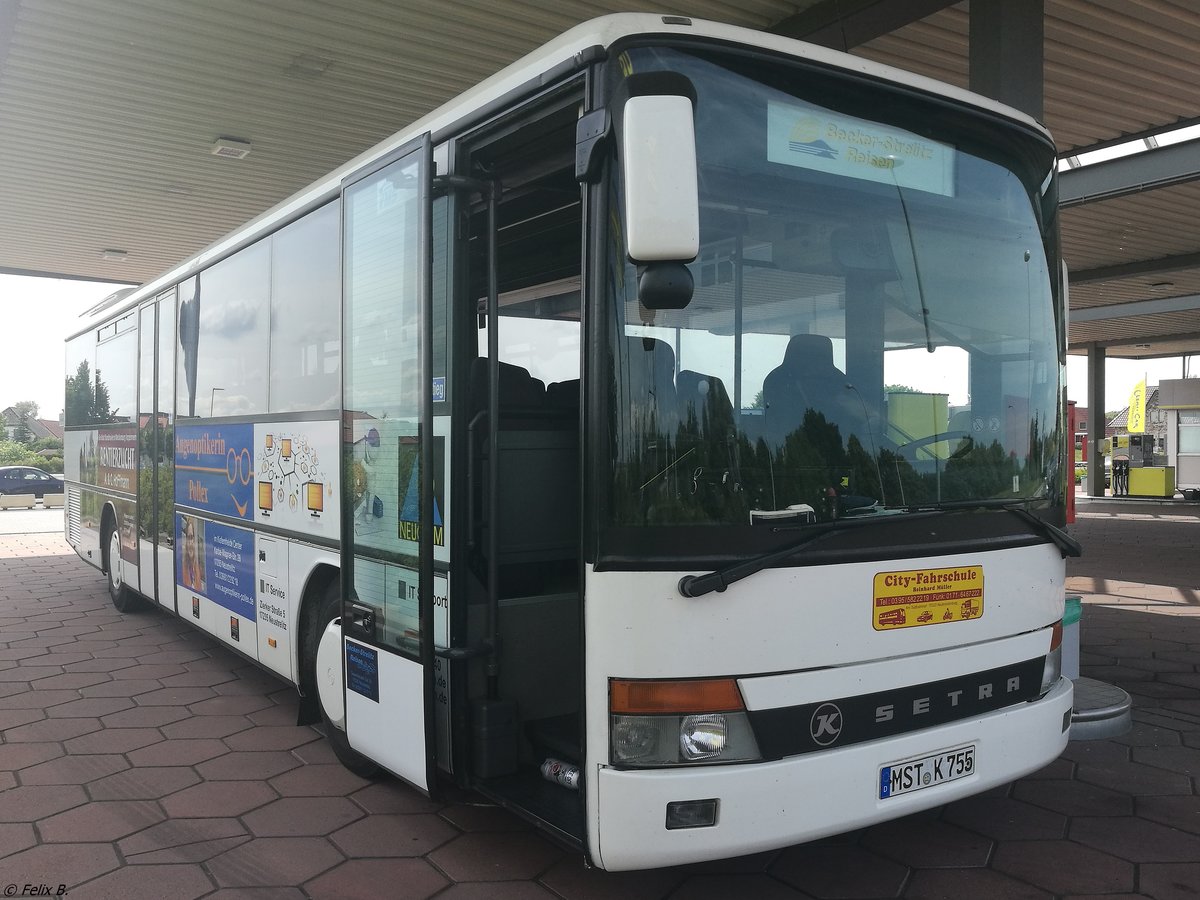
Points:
(665, 439)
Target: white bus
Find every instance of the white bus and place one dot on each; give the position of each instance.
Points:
(664, 439)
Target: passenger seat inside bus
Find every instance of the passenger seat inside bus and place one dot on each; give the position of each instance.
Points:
(807, 379)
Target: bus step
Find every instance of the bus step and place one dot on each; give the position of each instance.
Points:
(1101, 711)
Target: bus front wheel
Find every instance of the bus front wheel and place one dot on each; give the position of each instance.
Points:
(122, 597)
(323, 660)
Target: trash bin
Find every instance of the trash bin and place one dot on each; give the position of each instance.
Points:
(1070, 641)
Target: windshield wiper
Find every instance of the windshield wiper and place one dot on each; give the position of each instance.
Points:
(1066, 544)
(699, 585)
(720, 579)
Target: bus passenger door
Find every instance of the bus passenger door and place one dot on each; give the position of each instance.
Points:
(156, 451)
(387, 534)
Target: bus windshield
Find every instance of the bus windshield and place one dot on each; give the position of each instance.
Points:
(873, 327)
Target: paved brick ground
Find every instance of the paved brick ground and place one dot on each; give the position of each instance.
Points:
(141, 760)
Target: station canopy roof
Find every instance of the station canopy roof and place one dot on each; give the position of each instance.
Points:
(109, 113)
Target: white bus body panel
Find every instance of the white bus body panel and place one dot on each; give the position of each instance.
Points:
(769, 805)
(809, 631)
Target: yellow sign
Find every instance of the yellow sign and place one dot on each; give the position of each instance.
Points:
(1137, 408)
(926, 597)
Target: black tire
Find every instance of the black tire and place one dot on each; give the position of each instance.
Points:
(329, 607)
(124, 599)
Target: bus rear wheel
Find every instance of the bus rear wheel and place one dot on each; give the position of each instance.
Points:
(118, 591)
(323, 678)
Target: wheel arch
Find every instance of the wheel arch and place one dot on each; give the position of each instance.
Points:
(318, 582)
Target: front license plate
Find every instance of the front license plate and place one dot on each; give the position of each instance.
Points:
(927, 771)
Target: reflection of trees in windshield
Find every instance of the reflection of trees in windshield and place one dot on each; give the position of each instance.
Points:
(687, 478)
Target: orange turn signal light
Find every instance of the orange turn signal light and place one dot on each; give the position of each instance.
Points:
(651, 697)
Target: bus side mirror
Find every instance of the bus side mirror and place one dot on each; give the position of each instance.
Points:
(662, 205)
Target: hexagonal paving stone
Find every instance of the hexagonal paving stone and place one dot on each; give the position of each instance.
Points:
(303, 816)
(150, 883)
(229, 706)
(33, 802)
(976, 884)
(126, 687)
(73, 680)
(12, 719)
(1136, 839)
(175, 696)
(1185, 760)
(393, 797)
(480, 817)
(369, 879)
(273, 737)
(37, 699)
(238, 765)
(1135, 778)
(16, 837)
(1178, 812)
(1074, 798)
(493, 857)
(178, 752)
(1170, 881)
(18, 756)
(1006, 819)
(219, 799)
(143, 672)
(202, 678)
(183, 840)
(381, 835)
(144, 783)
(318, 781)
(118, 740)
(91, 706)
(758, 886)
(106, 821)
(145, 717)
(69, 864)
(570, 878)
(74, 769)
(274, 861)
(277, 714)
(927, 845)
(207, 727)
(1064, 867)
(830, 870)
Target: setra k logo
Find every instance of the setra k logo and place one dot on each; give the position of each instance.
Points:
(826, 724)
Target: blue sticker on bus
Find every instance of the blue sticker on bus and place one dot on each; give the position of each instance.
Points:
(439, 389)
(214, 468)
(216, 561)
(362, 670)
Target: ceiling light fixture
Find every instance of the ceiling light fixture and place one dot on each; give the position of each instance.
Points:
(114, 255)
(231, 148)
(308, 65)
(1161, 285)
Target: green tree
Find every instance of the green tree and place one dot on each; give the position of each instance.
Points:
(26, 411)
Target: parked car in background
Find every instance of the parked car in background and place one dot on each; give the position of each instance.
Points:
(28, 480)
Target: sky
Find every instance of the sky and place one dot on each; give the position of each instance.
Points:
(37, 315)
(43, 311)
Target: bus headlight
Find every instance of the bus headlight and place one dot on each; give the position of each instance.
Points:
(659, 724)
